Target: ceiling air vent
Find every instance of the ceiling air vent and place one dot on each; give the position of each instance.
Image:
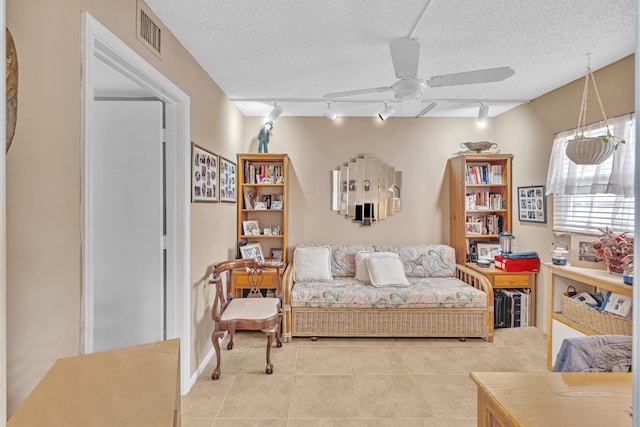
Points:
(149, 31)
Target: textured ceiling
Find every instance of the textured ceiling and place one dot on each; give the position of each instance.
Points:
(295, 51)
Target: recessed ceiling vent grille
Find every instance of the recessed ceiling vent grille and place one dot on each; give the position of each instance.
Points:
(150, 31)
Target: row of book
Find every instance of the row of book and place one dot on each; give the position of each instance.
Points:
(263, 174)
(511, 307)
(484, 174)
(488, 224)
(484, 200)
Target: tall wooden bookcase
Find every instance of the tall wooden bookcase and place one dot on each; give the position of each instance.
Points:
(480, 204)
(263, 178)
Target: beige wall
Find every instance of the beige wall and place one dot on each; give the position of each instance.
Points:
(43, 182)
(43, 174)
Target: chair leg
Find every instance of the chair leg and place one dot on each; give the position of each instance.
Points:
(269, 369)
(231, 333)
(215, 337)
(278, 342)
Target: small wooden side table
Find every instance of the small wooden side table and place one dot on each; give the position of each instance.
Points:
(501, 279)
(271, 280)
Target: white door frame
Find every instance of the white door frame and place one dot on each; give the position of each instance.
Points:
(100, 43)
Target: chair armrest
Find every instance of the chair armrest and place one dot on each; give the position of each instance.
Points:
(287, 285)
(477, 280)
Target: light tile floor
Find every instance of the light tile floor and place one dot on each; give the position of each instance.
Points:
(359, 382)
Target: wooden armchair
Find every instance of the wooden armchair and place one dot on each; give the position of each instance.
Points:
(254, 312)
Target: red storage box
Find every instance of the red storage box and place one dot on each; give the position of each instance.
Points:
(508, 264)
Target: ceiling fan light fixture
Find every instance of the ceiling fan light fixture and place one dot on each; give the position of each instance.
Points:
(387, 112)
(329, 113)
(408, 88)
(275, 113)
(483, 113)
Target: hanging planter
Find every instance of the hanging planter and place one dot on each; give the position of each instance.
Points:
(583, 150)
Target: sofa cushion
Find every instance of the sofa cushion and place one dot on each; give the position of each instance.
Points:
(347, 292)
(343, 259)
(362, 272)
(386, 271)
(424, 260)
(312, 264)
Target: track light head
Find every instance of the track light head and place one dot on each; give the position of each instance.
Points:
(329, 113)
(483, 113)
(275, 113)
(387, 112)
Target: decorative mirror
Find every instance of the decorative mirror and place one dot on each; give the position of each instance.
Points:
(366, 190)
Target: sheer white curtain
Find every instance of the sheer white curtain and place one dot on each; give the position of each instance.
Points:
(613, 176)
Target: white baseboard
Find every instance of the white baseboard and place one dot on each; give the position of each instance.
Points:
(200, 369)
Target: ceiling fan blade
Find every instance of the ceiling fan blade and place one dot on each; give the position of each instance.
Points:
(472, 77)
(357, 92)
(405, 54)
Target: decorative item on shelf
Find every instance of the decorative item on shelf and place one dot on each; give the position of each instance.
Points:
(583, 150)
(478, 146)
(559, 253)
(263, 137)
(614, 249)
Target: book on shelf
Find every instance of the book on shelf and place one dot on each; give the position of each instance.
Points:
(619, 304)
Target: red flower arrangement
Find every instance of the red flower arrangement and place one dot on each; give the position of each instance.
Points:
(614, 249)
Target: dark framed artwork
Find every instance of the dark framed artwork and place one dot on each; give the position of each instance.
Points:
(532, 204)
(227, 180)
(204, 175)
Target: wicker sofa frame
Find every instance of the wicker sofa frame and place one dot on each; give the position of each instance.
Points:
(390, 322)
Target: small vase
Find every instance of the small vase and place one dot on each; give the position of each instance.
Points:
(615, 266)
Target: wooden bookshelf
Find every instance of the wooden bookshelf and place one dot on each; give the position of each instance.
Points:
(480, 192)
(263, 178)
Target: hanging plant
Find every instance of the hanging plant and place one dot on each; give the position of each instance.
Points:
(584, 150)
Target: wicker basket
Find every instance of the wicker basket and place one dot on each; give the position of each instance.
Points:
(600, 321)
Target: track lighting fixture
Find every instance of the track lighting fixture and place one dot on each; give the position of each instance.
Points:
(483, 113)
(387, 112)
(329, 113)
(275, 113)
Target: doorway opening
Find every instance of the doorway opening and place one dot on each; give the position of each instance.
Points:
(103, 51)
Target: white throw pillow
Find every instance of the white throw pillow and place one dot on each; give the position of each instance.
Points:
(362, 272)
(385, 271)
(312, 264)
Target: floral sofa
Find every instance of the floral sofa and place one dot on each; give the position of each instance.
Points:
(384, 290)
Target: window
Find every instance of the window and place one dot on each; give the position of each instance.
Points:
(589, 197)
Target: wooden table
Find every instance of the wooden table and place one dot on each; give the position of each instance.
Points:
(135, 386)
(272, 280)
(501, 279)
(552, 399)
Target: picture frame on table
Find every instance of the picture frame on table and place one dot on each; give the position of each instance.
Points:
(532, 204)
(487, 251)
(582, 253)
(204, 175)
(252, 251)
(228, 176)
(277, 204)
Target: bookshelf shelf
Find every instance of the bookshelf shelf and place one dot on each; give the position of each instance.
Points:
(480, 192)
(253, 169)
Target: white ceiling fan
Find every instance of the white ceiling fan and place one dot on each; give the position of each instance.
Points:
(405, 54)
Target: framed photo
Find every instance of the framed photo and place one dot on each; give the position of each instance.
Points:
(266, 198)
(251, 228)
(582, 253)
(252, 251)
(276, 204)
(532, 204)
(204, 175)
(228, 177)
(487, 250)
(276, 253)
(260, 206)
(250, 195)
(474, 228)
